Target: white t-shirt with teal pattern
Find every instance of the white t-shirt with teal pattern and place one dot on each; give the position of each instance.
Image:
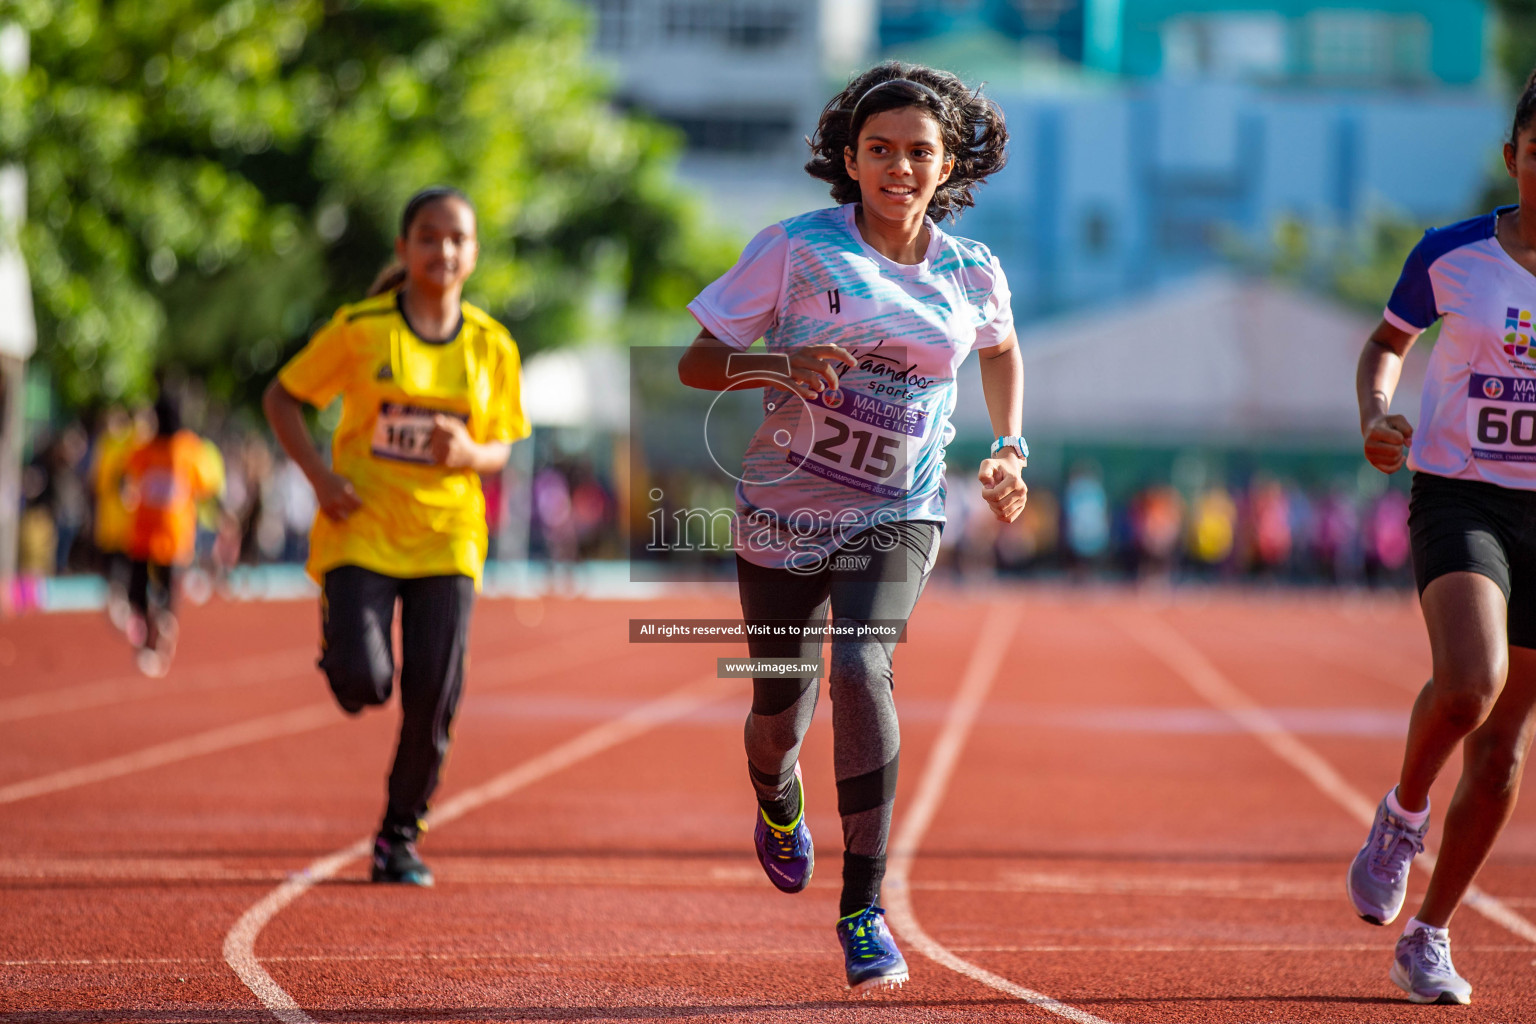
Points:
(817, 472)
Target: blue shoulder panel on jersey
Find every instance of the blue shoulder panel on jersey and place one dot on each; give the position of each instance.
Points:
(1439, 241)
(1413, 300)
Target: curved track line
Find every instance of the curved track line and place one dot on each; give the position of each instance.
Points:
(240, 942)
(1175, 651)
(986, 658)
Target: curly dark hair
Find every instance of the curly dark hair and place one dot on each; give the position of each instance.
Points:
(1525, 109)
(970, 126)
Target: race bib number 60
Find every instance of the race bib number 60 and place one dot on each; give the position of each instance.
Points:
(1501, 418)
(404, 432)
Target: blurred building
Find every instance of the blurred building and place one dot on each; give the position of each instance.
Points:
(1409, 42)
(1150, 140)
(1177, 136)
(1218, 360)
(1113, 189)
(744, 81)
(1368, 42)
(1042, 27)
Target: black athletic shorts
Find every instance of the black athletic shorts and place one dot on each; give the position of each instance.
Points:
(1473, 526)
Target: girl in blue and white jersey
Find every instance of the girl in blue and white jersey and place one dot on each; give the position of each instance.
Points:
(866, 310)
(1472, 519)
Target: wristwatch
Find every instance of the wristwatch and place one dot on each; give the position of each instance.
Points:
(1013, 441)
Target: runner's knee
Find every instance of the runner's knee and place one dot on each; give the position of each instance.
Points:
(1495, 762)
(361, 680)
(1464, 696)
(862, 664)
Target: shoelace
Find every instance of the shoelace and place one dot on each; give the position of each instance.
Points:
(866, 938)
(1398, 846)
(783, 844)
(1435, 952)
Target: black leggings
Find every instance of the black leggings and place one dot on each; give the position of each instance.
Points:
(866, 740)
(148, 580)
(357, 609)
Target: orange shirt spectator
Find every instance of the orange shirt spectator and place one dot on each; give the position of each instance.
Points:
(164, 480)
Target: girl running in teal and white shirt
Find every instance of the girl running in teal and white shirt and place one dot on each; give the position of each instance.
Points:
(866, 310)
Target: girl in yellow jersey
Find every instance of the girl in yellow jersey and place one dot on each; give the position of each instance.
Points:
(429, 390)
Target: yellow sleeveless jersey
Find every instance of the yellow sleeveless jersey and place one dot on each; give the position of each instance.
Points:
(417, 518)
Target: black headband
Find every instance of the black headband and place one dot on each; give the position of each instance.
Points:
(414, 205)
(853, 118)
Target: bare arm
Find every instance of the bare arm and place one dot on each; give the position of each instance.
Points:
(1002, 384)
(452, 446)
(285, 414)
(1376, 377)
(712, 365)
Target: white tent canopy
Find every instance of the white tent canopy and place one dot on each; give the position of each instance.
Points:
(1220, 358)
(578, 387)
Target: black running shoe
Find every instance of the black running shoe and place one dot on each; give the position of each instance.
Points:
(395, 861)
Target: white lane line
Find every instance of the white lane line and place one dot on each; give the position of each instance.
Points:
(256, 730)
(1170, 647)
(819, 954)
(280, 666)
(266, 667)
(240, 942)
(557, 656)
(661, 875)
(986, 657)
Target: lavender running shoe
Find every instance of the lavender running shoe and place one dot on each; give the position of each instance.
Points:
(1422, 968)
(1377, 881)
(785, 851)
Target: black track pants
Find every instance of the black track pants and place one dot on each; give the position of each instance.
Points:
(357, 610)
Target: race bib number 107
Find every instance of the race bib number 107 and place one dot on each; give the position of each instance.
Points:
(404, 432)
(1501, 418)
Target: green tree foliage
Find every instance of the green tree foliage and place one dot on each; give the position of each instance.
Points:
(1515, 42)
(209, 179)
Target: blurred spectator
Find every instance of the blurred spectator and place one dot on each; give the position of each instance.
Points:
(1156, 522)
(1336, 543)
(1386, 539)
(263, 533)
(209, 512)
(1033, 536)
(1085, 517)
(120, 434)
(592, 512)
(1269, 526)
(66, 496)
(1303, 534)
(552, 514)
(491, 485)
(969, 533)
(296, 509)
(1212, 532)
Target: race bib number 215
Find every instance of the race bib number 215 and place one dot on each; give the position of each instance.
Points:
(860, 441)
(1501, 418)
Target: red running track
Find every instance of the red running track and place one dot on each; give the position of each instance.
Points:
(1138, 806)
